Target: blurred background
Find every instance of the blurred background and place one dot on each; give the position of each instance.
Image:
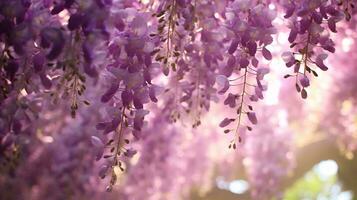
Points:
(301, 149)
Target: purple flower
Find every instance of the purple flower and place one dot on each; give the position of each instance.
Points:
(137, 103)
(130, 153)
(223, 84)
(292, 35)
(304, 81)
(243, 62)
(252, 117)
(38, 61)
(262, 72)
(320, 62)
(57, 9)
(75, 21)
(252, 48)
(266, 53)
(110, 92)
(225, 122)
(231, 100)
(97, 142)
(11, 68)
(126, 97)
(332, 25)
(233, 46)
(55, 37)
(46, 82)
(290, 8)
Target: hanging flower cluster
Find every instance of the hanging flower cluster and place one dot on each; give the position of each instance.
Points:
(311, 24)
(250, 30)
(95, 74)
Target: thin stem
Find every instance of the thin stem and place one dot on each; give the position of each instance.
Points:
(241, 102)
(196, 114)
(307, 51)
(119, 131)
(170, 30)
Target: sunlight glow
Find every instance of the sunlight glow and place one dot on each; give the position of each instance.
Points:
(325, 169)
(346, 44)
(238, 186)
(272, 6)
(145, 1)
(345, 196)
(64, 17)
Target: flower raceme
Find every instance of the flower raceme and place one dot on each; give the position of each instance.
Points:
(311, 24)
(119, 57)
(249, 32)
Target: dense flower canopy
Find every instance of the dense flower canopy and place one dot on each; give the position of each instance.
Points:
(149, 99)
